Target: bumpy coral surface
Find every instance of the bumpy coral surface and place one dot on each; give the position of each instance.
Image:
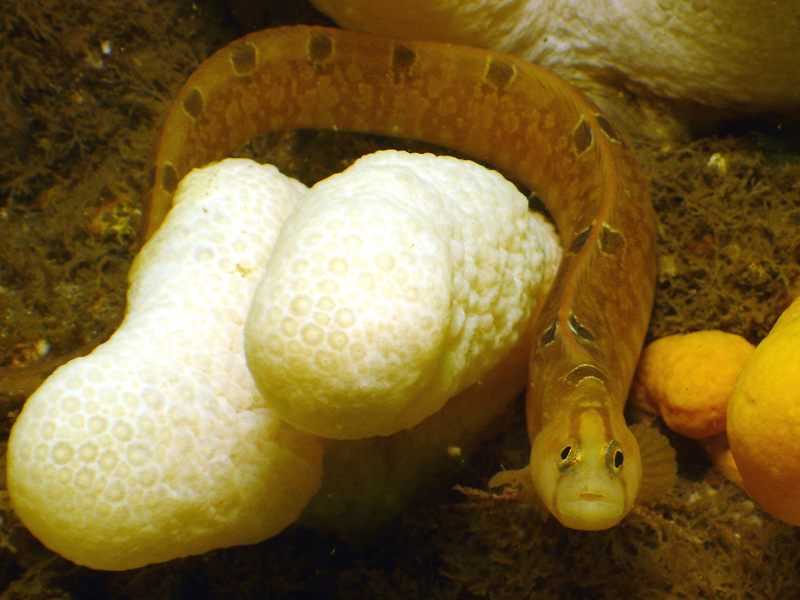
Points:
(382, 300)
(158, 445)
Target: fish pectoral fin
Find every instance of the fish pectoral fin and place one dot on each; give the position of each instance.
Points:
(522, 482)
(659, 467)
(513, 478)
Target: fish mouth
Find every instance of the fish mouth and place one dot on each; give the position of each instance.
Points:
(590, 497)
(591, 512)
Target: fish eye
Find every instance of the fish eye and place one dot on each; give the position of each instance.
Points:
(614, 456)
(567, 458)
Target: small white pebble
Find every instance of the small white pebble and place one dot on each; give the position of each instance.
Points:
(42, 348)
(717, 163)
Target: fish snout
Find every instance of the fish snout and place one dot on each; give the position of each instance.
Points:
(590, 505)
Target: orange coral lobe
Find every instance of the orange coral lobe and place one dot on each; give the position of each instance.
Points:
(687, 379)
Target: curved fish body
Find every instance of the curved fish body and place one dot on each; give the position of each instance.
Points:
(726, 59)
(523, 121)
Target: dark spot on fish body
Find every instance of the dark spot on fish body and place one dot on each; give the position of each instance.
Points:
(244, 58)
(193, 104)
(579, 241)
(403, 59)
(579, 329)
(320, 47)
(320, 53)
(611, 241)
(608, 128)
(498, 75)
(582, 137)
(169, 181)
(549, 335)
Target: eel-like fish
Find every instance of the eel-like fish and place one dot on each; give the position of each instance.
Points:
(585, 462)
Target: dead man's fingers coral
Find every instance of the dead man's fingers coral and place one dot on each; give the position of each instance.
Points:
(381, 302)
(764, 420)
(688, 379)
(158, 445)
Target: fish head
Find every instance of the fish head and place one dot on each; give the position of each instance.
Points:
(586, 469)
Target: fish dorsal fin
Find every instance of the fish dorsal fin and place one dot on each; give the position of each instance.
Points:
(659, 467)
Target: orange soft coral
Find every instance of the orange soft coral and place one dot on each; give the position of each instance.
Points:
(688, 379)
(764, 420)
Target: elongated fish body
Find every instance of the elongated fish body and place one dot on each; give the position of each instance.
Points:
(525, 122)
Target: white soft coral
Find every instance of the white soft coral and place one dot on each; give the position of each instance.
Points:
(394, 286)
(158, 444)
